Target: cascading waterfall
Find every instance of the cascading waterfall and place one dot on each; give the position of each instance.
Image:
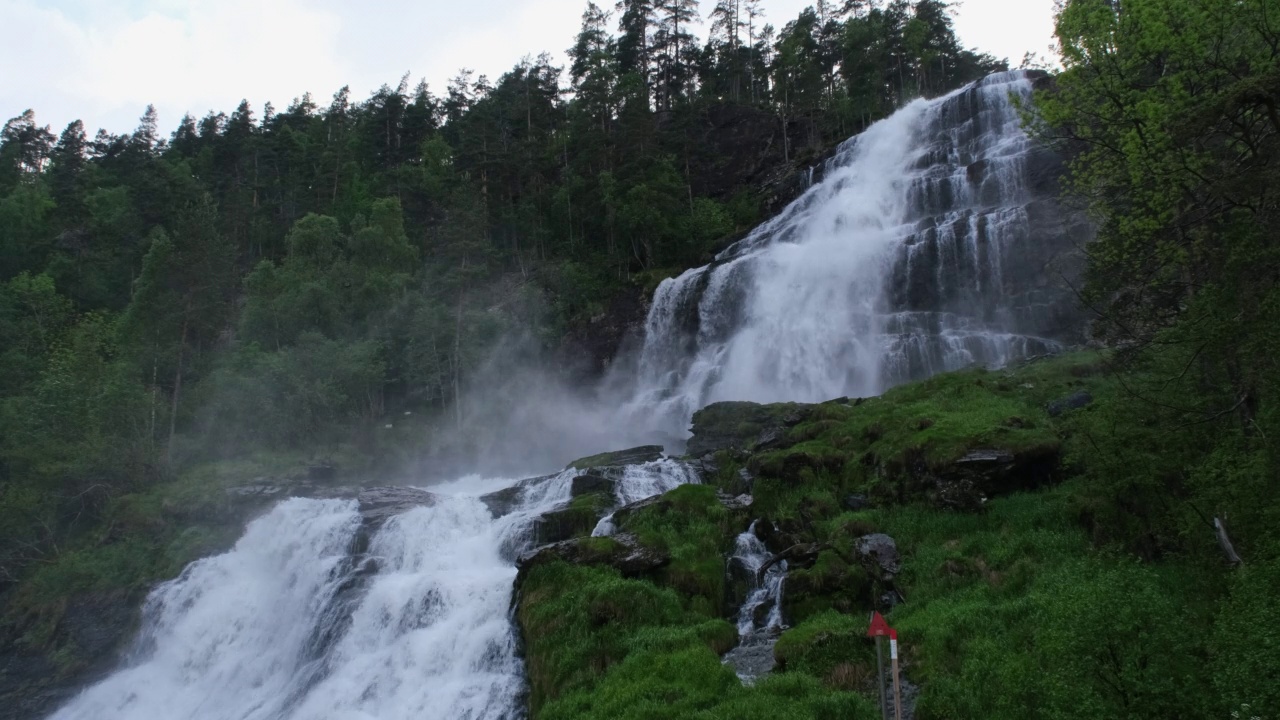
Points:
(637, 482)
(909, 254)
(295, 623)
(760, 616)
(922, 249)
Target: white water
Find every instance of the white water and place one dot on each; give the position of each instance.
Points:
(893, 266)
(753, 656)
(898, 263)
(637, 482)
(284, 627)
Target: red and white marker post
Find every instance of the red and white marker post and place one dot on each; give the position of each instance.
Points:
(879, 628)
(897, 685)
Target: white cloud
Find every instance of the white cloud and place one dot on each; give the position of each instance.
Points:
(104, 60)
(182, 56)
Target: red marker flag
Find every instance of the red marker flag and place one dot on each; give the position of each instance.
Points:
(879, 628)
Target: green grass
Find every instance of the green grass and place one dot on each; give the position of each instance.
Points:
(695, 529)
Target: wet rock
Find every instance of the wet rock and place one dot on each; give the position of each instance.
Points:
(379, 504)
(1074, 402)
(621, 514)
(622, 551)
(570, 522)
(741, 425)
(588, 483)
(502, 502)
(255, 491)
(878, 553)
(752, 659)
(735, 502)
(741, 579)
(630, 456)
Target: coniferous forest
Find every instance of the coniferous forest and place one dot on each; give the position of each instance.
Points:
(280, 278)
(276, 290)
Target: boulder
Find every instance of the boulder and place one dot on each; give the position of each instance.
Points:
(379, 504)
(878, 554)
(630, 456)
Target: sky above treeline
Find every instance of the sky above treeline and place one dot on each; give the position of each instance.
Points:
(103, 61)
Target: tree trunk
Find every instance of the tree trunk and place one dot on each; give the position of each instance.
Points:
(177, 390)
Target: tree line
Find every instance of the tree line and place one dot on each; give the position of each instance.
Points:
(289, 277)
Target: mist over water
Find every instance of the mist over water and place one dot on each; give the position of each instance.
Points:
(913, 253)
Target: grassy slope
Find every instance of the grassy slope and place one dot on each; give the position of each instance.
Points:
(1050, 601)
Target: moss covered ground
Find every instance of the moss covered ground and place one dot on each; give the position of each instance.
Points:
(1073, 576)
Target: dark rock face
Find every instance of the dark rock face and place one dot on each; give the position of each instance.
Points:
(596, 341)
(588, 483)
(621, 514)
(969, 482)
(99, 624)
(503, 501)
(631, 456)
(377, 505)
(742, 425)
(622, 551)
(576, 520)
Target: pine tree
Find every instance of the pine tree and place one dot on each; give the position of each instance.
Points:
(636, 24)
(672, 45)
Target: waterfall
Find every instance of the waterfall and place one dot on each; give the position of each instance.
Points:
(922, 249)
(760, 615)
(298, 622)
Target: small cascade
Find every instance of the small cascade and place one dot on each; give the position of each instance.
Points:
(639, 482)
(760, 617)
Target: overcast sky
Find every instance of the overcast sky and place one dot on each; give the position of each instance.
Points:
(103, 60)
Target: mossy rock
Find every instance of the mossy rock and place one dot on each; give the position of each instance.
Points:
(832, 646)
(693, 525)
(623, 553)
(739, 425)
(830, 584)
(579, 518)
(630, 456)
